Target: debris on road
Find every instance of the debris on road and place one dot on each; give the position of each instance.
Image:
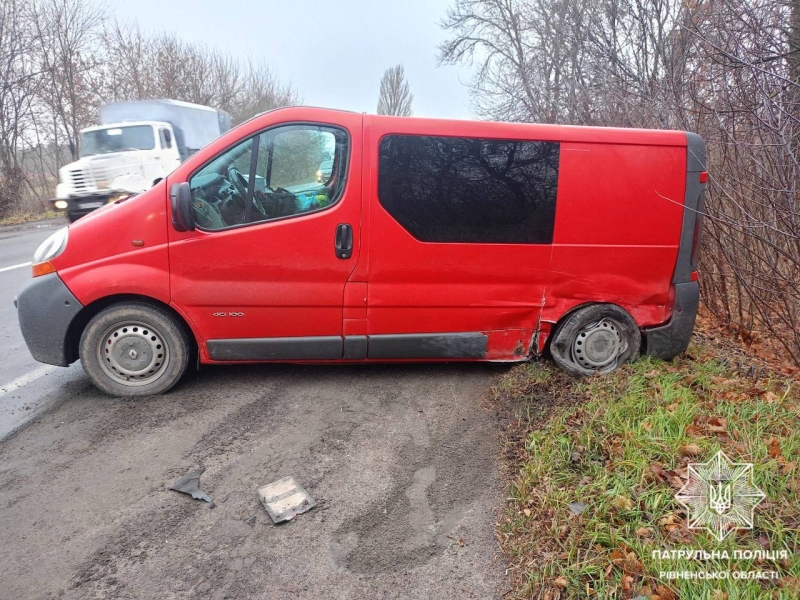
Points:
(284, 499)
(190, 484)
(577, 507)
(460, 541)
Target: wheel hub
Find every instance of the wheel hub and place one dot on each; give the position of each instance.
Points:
(133, 353)
(597, 346)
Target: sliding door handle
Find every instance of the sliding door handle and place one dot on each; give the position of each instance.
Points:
(344, 241)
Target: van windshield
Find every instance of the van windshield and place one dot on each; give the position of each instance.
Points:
(117, 139)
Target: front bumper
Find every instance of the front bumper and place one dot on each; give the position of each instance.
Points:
(79, 206)
(46, 308)
(668, 341)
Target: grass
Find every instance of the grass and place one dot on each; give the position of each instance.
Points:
(27, 217)
(614, 449)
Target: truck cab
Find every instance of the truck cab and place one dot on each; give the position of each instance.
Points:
(116, 160)
(137, 144)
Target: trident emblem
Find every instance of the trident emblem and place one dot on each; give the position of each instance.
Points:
(719, 497)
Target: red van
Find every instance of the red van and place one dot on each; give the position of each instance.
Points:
(312, 235)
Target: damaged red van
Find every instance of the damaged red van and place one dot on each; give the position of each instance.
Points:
(312, 235)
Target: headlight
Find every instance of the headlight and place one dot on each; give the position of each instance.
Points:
(51, 247)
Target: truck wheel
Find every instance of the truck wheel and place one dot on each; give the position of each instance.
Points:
(134, 349)
(595, 339)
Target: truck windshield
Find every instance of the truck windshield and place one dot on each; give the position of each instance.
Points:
(117, 139)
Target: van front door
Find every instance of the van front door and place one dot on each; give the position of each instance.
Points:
(263, 275)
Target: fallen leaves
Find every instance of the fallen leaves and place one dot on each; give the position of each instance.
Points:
(627, 560)
(717, 425)
(769, 396)
(658, 471)
(669, 522)
(774, 448)
(623, 503)
(690, 449)
(613, 446)
(784, 468)
(627, 583)
(674, 528)
(664, 593)
(674, 477)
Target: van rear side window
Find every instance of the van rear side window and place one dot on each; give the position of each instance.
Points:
(469, 190)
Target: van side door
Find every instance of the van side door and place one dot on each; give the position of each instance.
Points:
(263, 275)
(460, 240)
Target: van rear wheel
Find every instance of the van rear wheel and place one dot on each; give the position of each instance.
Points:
(134, 349)
(595, 339)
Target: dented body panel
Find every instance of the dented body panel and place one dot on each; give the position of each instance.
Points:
(618, 225)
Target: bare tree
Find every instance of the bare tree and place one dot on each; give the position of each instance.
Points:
(66, 31)
(125, 72)
(395, 96)
(727, 70)
(260, 91)
(20, 82)
(139, 64)
(60, 61)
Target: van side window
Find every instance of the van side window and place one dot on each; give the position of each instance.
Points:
(282, 172)
(469, 190)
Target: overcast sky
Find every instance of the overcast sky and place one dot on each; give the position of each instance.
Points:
(333, 52)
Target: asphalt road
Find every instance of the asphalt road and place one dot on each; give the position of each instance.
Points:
(26, 387)
(401, 460)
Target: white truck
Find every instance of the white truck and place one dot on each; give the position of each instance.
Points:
(137, 144)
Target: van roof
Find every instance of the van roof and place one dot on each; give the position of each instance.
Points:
(499, 129)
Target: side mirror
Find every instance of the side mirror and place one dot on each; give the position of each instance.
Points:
(180, 197)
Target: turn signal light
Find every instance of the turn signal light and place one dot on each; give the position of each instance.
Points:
(703, 176)
(694, 276)
(43, 269)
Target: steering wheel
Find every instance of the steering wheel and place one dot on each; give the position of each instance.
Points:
(240, 183)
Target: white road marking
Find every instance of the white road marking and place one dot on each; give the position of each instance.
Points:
(19, 266)
(24, 380)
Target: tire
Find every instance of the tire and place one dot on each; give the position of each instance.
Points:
(594, 339)
(146, 350)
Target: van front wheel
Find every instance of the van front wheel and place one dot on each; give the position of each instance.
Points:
(134, 349)
(595, 339)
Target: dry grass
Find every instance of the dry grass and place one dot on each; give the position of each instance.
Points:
(614, 449)
(28, 216)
